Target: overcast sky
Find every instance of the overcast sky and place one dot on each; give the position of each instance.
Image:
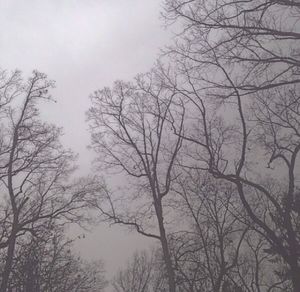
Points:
(83, 45)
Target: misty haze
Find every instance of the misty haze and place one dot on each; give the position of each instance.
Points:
(150, 146)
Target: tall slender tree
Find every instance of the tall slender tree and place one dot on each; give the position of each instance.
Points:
(131, 127)
(34, 167)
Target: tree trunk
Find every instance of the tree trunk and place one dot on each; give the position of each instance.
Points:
(296, 281)
(165, 248)
(295, 275)
(8, 261)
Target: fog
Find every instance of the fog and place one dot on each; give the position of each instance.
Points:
(83, 46)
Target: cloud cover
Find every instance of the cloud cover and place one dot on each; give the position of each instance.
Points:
(83, 45)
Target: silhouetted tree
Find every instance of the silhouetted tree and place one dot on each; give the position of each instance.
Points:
(253, 144)
(142, 274)
(256, 41)
(131, 126)
(34, 167)
(46, 263)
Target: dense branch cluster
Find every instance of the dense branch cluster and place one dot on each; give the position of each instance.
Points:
(200, 154)
(207, 146)
(38, 197)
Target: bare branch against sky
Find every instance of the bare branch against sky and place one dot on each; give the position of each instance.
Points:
(82, 45)
(157, 140)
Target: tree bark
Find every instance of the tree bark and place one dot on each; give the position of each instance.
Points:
(165, 248)
(295, 274)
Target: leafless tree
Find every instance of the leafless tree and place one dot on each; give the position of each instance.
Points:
(47, 263)
(131, 127)
(254, 144)
(34, 167)
(142, 274)
(239, 66)
(257, 41)
(207, 252)
(219, 248)
(228, 105)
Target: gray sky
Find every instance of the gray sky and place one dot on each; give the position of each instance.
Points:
(83, 45)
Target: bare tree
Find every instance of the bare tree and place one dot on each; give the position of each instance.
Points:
(229, 102)
(257, 41)
(207, 252)
(131, 127)
(242, 141)
(142, 274)
(239, 66)
(47, 263)
(220, 250)
(9, 87)
(34, 168)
